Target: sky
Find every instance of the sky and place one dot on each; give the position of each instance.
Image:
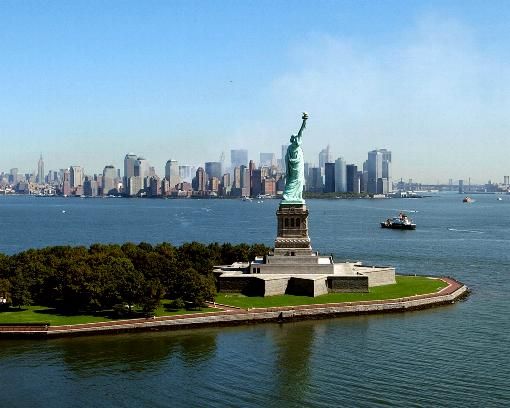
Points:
(85, 82)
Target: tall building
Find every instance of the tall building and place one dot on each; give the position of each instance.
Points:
(154, 186)
(245, 181)
(283, 165)
(362, 181)
(90, 187)
(505, 180)
(200, 180)
(226, 184)
(237, 177)
(130, 163)
(256, 182)
(325, 157)
(353, 183)
(185, 172)
(109, 180)
(66, 182)
(144, 168)
(40, 170)
(172, 173)
(267, 159)
(340, 175)
(76, 176)
(315, 180)
(269, 186)
(379, 171)
(238, 157)
(213, 169)
(329, 177)
(13, 176)
(145, 172)
(135, 184)
(214, 184)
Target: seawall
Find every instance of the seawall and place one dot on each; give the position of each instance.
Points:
(235, 316)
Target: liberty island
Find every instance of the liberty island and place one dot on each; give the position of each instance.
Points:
(293, 267)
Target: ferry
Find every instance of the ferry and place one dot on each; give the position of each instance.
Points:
(402, 222)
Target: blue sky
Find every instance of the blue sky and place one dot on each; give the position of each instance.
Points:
(86, 82)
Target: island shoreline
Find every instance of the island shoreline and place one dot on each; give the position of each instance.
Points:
(232, 316)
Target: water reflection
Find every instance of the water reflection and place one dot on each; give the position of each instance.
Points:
(294, 348)
(135, 353)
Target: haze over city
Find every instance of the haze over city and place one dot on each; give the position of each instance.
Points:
(86, 82)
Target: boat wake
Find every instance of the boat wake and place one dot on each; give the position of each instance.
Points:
(465, 230)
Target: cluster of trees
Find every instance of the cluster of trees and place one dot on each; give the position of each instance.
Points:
(76, 279)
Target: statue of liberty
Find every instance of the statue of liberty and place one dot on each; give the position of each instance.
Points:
(295, 165)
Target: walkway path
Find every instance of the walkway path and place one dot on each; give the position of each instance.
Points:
(230, 315)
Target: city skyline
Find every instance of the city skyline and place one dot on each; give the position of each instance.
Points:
(427, 80)
(228, 165)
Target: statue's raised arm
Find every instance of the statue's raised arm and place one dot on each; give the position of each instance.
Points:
(303, 125)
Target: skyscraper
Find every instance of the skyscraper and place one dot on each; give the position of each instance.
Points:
(200, 180)
(340, 175)
(90, 187)
(130, 162)
(40, 171)
(66, 182)
(245, 181)
(172, 173)
(145, 171)
(185, 172)
(315, 180)
(379, 171)
(329, 177)
(238, 157)
(325, 157)
(353, 182)
(283, 165)
(76, 173)
(256, 182)
(213, 169)
(109, 180)
(13, 178)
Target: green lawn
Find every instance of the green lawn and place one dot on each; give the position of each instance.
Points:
(405, 286)
(42, 314)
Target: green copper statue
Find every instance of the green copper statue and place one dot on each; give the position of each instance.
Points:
(295, 164)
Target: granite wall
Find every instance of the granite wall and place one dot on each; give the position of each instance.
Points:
(346, 284)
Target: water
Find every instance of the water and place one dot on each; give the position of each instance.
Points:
(451, 356)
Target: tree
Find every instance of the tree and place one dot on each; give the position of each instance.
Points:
(5, 292)
(20, 291)
(129, 286)
(197, 289)
(153, 293)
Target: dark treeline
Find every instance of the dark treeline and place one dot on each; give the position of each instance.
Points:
(101, 277)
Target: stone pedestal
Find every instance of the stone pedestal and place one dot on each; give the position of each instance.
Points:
(292, 236)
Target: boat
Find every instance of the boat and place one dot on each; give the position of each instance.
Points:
(467, 200)
(499, 199)
(402, 222)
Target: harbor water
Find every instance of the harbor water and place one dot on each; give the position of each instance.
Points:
(456, 355)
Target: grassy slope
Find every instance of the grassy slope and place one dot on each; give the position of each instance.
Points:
(41, 314)
(405, 286)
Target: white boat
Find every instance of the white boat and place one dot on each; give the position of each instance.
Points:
(402, 221)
